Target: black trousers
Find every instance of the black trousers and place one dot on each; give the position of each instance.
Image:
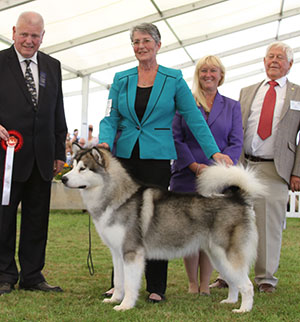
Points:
(34, 195)
(157, 172)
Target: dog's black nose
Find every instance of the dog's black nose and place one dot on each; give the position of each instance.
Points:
(64, 180)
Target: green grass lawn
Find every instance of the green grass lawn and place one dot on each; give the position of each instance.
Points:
(66, 266)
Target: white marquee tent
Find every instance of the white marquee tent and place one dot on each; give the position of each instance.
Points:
(91, 39)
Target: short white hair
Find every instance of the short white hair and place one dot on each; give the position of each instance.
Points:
(286, 48)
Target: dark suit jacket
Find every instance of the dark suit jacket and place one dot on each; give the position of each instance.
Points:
(286, 149)
(43, 131)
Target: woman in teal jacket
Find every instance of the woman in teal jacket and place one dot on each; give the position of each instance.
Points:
(141, 106)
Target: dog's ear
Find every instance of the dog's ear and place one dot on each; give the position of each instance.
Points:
(98, 156)
(75, 148)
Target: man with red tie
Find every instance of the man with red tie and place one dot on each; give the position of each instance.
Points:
(271, 120)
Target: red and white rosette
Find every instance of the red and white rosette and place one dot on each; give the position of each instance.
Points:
(12, 145)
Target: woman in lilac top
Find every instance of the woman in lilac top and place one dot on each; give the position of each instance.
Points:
(223, 116)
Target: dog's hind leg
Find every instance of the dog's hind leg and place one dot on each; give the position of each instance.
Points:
(247, 292)
(236, 275)
(221, 264)
(239, 281)
(134, 263)
(118, 294)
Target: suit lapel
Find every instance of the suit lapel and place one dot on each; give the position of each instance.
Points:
(217, 108)
(16, 70)
(42, 68)
(131, 95)
(158, 86)
(290, 91)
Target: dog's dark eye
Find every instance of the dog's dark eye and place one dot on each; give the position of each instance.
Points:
(82, 169)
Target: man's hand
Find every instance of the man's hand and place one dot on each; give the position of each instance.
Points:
(295, 183)
(3, 133)
(58, 166)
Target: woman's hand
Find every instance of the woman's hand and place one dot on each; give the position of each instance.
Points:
(222, 158)
(197, 167)
(103, 145)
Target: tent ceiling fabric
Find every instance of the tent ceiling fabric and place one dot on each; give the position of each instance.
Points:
(92, 37)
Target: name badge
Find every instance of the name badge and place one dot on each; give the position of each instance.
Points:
(108, 107)
(43, 79)
(295, 105)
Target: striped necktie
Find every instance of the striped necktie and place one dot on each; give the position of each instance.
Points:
(30, 82)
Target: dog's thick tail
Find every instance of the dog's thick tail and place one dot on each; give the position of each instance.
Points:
(216, 178)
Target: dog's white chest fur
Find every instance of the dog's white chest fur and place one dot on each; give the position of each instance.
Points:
(106, 229)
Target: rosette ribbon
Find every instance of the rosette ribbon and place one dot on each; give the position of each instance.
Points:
(12, 145)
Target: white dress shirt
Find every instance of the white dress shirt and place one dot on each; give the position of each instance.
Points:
(253, 144)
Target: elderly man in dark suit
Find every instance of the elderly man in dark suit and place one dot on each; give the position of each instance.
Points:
(33, 126)
(271, 120)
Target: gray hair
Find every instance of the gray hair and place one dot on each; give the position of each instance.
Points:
(32, 18)
(148, 28)
(286, 48)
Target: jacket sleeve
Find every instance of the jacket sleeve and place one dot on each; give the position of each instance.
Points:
(60, 123)
(185, 157)
(109, 124)
(235, 137)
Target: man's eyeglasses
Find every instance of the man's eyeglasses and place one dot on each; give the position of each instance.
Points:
(146, 41)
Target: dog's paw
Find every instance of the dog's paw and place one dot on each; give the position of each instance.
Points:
(121, 308)
(228, 301)
(111, 300)
(240, 310)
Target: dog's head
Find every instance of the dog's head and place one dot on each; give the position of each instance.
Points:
(89, 169)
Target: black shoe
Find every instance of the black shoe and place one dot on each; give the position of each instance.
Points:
(42, 286)
(6, 288)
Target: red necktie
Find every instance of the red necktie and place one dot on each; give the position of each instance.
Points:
(266, 115)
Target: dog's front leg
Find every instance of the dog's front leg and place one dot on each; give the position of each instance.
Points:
(118, 263)
(233, 294)
(134, 263)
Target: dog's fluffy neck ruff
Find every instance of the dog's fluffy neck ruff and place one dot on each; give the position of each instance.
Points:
(111, 194)
(121, 179)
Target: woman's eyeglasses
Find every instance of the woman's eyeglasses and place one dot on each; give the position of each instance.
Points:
(146, 41)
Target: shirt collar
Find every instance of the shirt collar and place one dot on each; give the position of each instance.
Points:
(21, 58)
(281, 81)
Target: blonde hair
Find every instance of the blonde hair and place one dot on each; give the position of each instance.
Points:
(197, 90)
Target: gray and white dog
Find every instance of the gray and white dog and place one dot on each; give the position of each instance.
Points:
(137, 222)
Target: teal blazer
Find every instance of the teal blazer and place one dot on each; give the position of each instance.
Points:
(169, 93)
